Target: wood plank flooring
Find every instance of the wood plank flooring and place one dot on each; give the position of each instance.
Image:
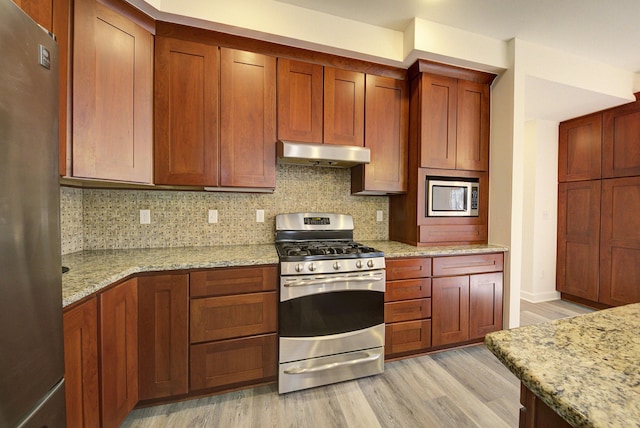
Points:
(465, 387)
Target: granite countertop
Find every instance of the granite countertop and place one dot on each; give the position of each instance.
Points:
(586, 368)
(90, 271)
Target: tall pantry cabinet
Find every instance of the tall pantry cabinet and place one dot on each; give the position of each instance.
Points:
(598, 202)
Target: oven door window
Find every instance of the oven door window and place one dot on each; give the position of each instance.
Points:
(331, 313)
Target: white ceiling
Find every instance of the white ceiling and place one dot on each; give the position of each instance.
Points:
(601, 30)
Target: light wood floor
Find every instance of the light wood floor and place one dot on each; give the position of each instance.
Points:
(465, 387)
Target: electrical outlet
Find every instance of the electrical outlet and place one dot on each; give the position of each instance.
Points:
(213, 216)
(145, 216)
(379, 215)
(259, 216)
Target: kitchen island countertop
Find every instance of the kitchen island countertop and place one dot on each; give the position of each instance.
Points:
(91, 271)
(585, 368)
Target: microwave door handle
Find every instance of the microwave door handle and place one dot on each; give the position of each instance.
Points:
(319, 281)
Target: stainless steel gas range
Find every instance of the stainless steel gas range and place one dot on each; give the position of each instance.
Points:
(331, 310)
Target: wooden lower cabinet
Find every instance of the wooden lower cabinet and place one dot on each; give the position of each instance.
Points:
(163, 335)
(81, 365)
(451, 310)
(407, 337)
(534, 413)
(485, 304)
(118, 328)
(228, 362)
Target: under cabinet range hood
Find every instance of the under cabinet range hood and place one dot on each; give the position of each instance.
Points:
(330, 155)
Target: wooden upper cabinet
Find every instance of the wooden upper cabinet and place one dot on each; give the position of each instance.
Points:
(40, 11)
(580, 148)
(186, 113)
(343, 107)
(621, 151)
(112, 95)
(620, 242)
(578, 239)
(386, 135)
(472, 130)
(300, 87)
(437, 119)
(247, 119)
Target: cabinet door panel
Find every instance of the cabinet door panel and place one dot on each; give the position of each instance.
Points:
(407, 289)
(407, 310)
(407, 337)
(112, 86)
(485, 304)
(119, 352)
(163, 335)
(233, 361)
(408, 268)
(81, 365)
(247, 119)
(386, 135)
(450, 310)
(217, 318)
(438, 121)
(226, 281)
(620, 242)
(343, 107)
(578, 239)
(299, 101)
(621, 151)
(40, 11)
(472, 144)
(580, 148)
(186, 109)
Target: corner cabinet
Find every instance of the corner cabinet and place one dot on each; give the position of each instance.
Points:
(386, 135)
(118, 332)
(112, 92)
(81, 365)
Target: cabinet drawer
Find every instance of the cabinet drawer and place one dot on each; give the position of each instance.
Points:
(232, 361)
(216, 318)
(407, 336)
(225, 281)
(407, 289)
(463, 265)
(408, 268)
(407, 310)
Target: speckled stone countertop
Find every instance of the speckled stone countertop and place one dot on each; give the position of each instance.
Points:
(586, 368)
(90, 271)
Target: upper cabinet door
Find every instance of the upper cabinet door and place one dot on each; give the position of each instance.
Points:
(580, 148)
(112, 95)
(386, 135)
(621, 151)
(438, 121)
(343, 107)
(40, 11)
(299, 101)
(472, 145)
(247, 119)
(186, 113)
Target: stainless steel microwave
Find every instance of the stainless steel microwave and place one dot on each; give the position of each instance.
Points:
(452, 197)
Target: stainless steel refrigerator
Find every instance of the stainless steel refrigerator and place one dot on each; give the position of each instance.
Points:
(31, 342)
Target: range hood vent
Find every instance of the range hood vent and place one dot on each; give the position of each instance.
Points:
(330, 155)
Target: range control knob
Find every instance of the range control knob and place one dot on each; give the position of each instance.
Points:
(359, 264)
(370, 263)
(312, 267)
(337, 266)
(299, 267)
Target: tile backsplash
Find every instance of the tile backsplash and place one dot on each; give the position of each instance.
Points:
(94, 219)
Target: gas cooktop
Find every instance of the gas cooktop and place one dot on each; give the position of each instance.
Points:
(324, 250)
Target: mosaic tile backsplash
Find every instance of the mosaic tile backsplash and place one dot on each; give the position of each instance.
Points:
(95, 219)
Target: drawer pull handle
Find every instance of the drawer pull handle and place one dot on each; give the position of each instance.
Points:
(467, 264)
(325, 367)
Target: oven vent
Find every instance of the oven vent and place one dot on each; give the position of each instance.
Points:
(329, 155)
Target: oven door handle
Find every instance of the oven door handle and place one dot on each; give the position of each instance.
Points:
(305, 282)
(325, 367)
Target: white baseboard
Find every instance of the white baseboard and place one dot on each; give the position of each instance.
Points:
(539, 297)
